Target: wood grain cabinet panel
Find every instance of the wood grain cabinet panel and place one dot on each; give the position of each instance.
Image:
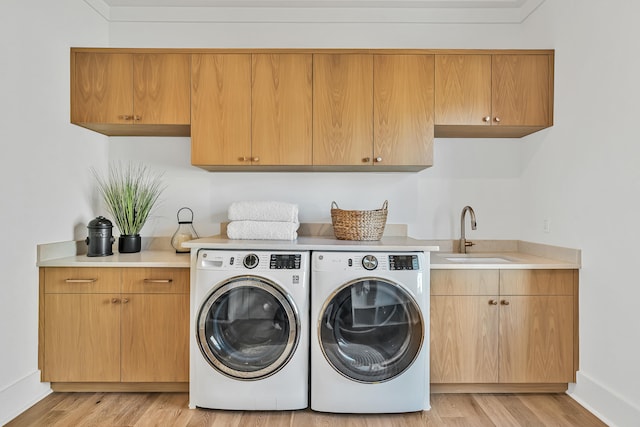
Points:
(102, 88)
(342, 109)
(403, 110)
(220, 109)
(464, 339)
(81, 337)
(463, 89)
(281, 104)
(131, 93)
(92, 332)
(161, 88)
(493, 95)
(523, 334)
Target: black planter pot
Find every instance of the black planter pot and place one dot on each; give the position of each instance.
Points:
(129, 243)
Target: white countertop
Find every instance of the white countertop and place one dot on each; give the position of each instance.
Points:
(493, 260)
(145, 258)
(158, 253)
(317, 243)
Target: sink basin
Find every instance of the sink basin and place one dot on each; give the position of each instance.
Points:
(477, 259)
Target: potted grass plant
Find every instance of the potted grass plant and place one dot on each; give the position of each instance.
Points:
(130, 192)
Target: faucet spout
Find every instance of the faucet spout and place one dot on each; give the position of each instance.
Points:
(463, 241)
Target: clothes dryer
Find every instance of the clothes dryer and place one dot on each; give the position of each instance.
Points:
(370, 332)
(250, 330)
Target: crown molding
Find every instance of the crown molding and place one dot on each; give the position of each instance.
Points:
(316, 11)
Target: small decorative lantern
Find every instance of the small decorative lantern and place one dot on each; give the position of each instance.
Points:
(184, 233)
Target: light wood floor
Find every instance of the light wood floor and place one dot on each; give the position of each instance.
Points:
(170, 409)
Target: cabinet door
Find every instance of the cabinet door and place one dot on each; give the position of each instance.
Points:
(463, 89)
(521, 90)
(102, 88)
(81, 337)
(281, 103)
(155, 338)
(403, 109)
(342, 109)
(464, 339)
(161, 88)
(220, 109)
(536, 339)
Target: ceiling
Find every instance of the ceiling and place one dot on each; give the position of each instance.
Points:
(341, 11)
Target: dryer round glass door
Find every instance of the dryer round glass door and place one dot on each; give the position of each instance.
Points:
(371, 330)
(247, 328)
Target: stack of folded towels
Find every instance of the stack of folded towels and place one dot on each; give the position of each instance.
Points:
(263, 220)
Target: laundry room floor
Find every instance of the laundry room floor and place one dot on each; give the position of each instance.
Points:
(171, 409)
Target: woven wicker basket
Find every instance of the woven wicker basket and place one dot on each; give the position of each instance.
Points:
(358, 225)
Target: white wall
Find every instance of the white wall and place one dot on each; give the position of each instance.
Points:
(43, 171)
(584, 177)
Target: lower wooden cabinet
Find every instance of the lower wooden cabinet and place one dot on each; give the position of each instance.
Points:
(114, 325)
(503, 326)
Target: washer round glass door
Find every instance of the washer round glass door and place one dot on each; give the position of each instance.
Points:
(247, 328)
(371, 330)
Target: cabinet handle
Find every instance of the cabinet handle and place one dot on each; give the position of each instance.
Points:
(125, 300)
(137, 118)
(244, 159)
(125, 117)
(255, 159)
(158, 280)
(80, 280)
(378, 159)
(486, 119)
(497, 120)
(504, 302)
(366, 159)
(493, 302)
(115, 300)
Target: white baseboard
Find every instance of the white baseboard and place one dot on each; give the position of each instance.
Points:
(603, 402)
(21, 395)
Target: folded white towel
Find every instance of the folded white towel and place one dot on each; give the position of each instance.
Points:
(263, 211)
(262, 230)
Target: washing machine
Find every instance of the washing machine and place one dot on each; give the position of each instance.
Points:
(370, 332)
(250, 330)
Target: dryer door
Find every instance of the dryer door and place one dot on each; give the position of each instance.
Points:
(371, 330)
(248, 328)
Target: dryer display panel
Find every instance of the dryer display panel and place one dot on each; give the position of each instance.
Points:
(371, 330)
(248, 328)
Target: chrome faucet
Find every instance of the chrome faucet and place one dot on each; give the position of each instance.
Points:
(463, 241)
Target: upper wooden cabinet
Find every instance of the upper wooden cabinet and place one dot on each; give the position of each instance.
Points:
(251, 110)
(493, 95)
(220, 109)
(373, 110)
(131, 93)
(281, 104)
(342, 109)
(312, 109)
(403, 110)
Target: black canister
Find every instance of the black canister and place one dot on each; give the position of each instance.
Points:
(100, 237)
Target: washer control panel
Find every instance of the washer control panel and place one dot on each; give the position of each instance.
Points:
(403, 262)
(285, 261)
(256, 261)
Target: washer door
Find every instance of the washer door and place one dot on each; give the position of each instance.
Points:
(371, 330)
(248, 328)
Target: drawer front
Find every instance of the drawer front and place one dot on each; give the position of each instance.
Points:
(81, 280)
(464, 282)
(155, 280)
(537, 282)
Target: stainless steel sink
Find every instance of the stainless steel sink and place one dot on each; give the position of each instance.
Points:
(478, 258)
